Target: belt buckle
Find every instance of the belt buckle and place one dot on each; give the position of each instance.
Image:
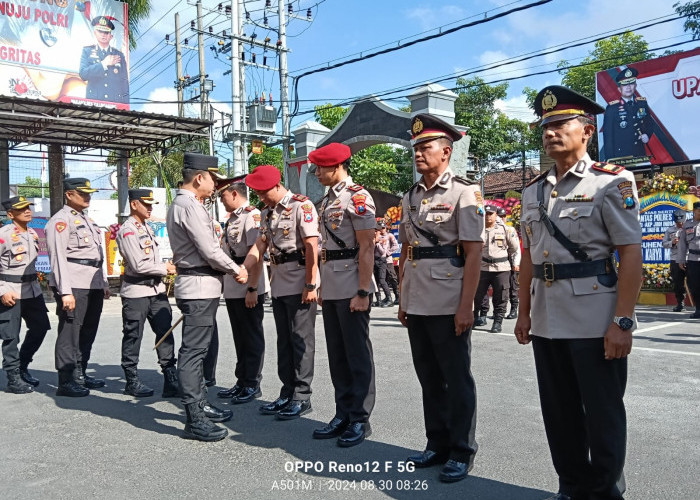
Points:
(548, 273)
(323, 255)
(273, 259)
(410, 253)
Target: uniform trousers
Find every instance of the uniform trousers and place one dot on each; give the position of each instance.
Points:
(197, 329)
(392, 279)
(584, 415)
(77, 329)
(248, 340)
(212, 356)
(514, 287)
(692, 273)
(296, 339)
(678, 277)
(350, 359)
(443, 364)
(135, 311)
(380, 277)
(33, 311)
(499, 281)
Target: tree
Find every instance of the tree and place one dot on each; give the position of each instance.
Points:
(692, 11)
(139, 10)
(28, 190)
(329, 115)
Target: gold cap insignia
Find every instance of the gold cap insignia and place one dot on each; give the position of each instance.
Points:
(103, 21)
(628, 73)
(549, 101)
(22, 198)
(87, 183)
(417, 126)
(150, 194)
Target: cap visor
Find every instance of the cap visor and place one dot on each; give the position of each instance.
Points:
(86, 190)
(557, 118)
(149, 202)
(216, 175)
(22, 205)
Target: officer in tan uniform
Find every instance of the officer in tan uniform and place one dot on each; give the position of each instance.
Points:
(347, 260)
(500, 247)
(577, 313)
(514, 268)
(240, 232)
(441, 231)
(671, 240)
(689, 256)
(289, 230)
(143, 296)
(79, 284)
(200, 264)
(20, 296)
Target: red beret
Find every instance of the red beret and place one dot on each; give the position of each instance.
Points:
(263, 177)
(330, 155)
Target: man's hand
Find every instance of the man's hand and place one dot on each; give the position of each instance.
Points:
(112, 60)
(464, 319)
(9, 299)
(251, 299)
(516, 269)
(522, 329)
(68, 302)
(644, 138)
(682, 266)
(674, 241)
(242, 276)
(308, 296)
(617, 342)
(319, 298)
(107, 293)
(359, 304)
(170, 267)
(402, 317)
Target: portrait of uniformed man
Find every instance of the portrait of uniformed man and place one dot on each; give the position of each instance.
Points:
(689, 256)
(104, 67)
(576, 308)
(442, 233)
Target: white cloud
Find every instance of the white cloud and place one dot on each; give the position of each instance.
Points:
(516, 107)
(161, 100)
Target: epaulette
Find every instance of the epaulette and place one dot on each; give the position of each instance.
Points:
(249, 208)
(355, 188)
(608, 168)
(462, 180)
(541, 176)
(611, 103)
(640, 98)
(300, 197)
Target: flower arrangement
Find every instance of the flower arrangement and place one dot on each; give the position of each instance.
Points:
(515, 213)
(656, 277)
(43, 279)
(663, 182)
(393, 214)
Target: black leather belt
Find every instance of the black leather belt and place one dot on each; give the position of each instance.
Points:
(345, 253)
(199, 271)
(549, 271)
(85, 262)
(436, 252)
(149, 281)
(18, 278)
(281, 258)
(238, 260)
(496, 260)
(694, 252)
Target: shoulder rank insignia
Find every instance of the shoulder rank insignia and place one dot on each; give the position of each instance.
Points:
(355, 188)
(299, 197)
(359, 202)
(60, 226)
(249, 208)
(640, 98)
(536, 179)
(462, 180)
(612, 103)
(608, 168)
(130, 233)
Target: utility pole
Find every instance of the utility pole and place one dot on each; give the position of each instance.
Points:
(236, 88)
(178, 69)
(284, 89)
(242, 104)
(203, 94)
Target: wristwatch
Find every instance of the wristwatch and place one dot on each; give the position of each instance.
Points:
(252, 289)
(310, 286)
(363, 293)
(623, 322)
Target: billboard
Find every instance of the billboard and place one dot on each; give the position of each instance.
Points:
(65, 50)
(655, 216)
(651, 111)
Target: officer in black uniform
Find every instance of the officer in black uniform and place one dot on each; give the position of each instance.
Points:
(627, 125)
(671, 239)
(104, 67)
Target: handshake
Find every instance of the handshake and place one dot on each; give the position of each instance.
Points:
(242, 276)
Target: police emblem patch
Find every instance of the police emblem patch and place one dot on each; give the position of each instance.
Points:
(60, 226)
(417, 126)
(549, 101)
(627, 194)
(359, 202)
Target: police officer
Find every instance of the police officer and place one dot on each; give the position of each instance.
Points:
(514, 260)
(20, 296)
(672, 236)
(392, 247)
(240, 232)
(441, 231)
(289, 230)
(627, 124)
(573, 308)
(200, 264)
(689, 256)
(143, 296)
(104, 67)
(381, 255)
(74, 242)
(347, 228)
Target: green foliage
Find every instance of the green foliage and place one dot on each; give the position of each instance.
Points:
(139, 10)
(329, 115)
(269, 156)
(692, 22)
(29, 191)
(114, 196)
(513, 194)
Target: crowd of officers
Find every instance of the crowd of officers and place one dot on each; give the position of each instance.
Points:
(575, 216)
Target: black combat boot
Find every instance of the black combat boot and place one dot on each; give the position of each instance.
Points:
(199, 427)
(15, 384)
(479, 320)
(496, 328)
(678, 307)
(513, 311)
(68, 387)
(26, 376)
(134, 387)
(171, 385)
(91, 382)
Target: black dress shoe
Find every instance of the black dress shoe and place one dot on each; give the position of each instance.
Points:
(676, 309)
(210, 383)
(215, 414)
(355, 434)
(295, 409)
(334, 429)
(27, 377)
(480, 321)
(93, 383)
(275, 406)
(496, 328)
(454, 471)
(229, 393)
(428, 458)
(246, 395)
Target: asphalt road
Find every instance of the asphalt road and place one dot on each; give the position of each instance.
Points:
(109, 445)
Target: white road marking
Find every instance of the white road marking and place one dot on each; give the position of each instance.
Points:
(652, 328)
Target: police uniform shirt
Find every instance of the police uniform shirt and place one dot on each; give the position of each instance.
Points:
(139, 251)
(104, 84)
(452, 210)
(514, 258)
(194, 243)
(240, 232)
(689, 242)
(671, 233)
(284, 228)
(72, 234)
(346, 208)
(599, 211)
(501, 243)
(18, 252)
